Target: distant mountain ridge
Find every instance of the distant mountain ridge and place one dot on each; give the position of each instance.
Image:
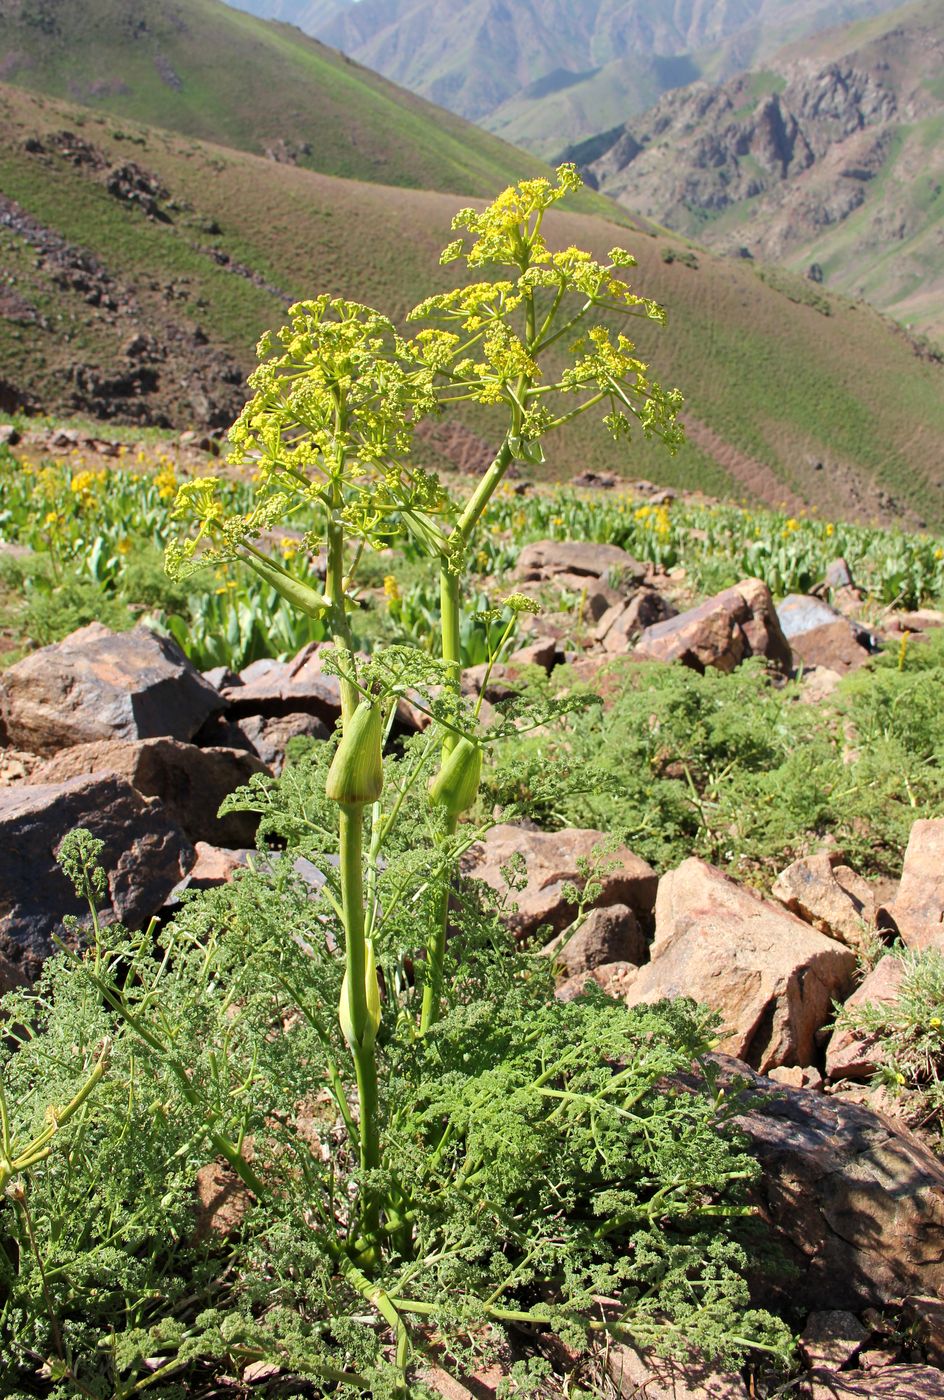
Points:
(829, 160)
(545, 73)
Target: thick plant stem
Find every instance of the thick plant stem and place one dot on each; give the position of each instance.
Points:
(362, 1044)
(340, 630)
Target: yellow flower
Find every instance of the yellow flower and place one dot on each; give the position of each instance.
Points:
(830, 529)
(124, 546)
(939, 554)
(166, 481)
(935, 1022)
(391, 589)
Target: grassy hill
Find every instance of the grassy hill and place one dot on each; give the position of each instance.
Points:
(212, 72)
(830, 159)
(146, 308)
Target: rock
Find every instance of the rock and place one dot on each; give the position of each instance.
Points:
(549, 560)
(542, 651)
(9, 435)
(839, 575)
(721, 632)
(808, 1077)
(854, 1201)
(607, 935)
(832, 1338)
(821, 636)
(222, 1203)
(896, 1382)
(551, 862)
(98, 684)
(817, 684)
(917, 912)
(851, 1054)
(644, 1376)
(268, 737)
(299, 686)
(830, 896)
(144, 857)
(221, 677)
(769, 975)
(213, 866)
(190, 782)
(920, 620)
(620, 625)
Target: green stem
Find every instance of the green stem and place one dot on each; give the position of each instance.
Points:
(355, 951)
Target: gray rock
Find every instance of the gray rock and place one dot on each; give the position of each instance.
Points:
(145, 855)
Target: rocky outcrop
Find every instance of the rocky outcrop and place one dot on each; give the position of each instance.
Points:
(550, 863)
(145, 855)
(852, 1054)
(191, 783)
(771, 977)
(721, 632)
(98, 684)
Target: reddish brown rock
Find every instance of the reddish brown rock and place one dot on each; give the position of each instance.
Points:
(268, 737)
(917, 912)
(550, 860)
(144, 856)
(898, 1382)
(190, 782)
(830, 896)
(821, 636)
(299, 686)
(832, 1338)
(583, 560)
(644, 1376)
(769, 975)
(607, 935)
(620, 625)
(854, 1201)
(721, 632)
(851, 1054)
(214, 866)
(97, 684)
(542, 651)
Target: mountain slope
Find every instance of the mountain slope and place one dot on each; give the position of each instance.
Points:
(545, 73)
(830, 161)
(141, 267)
(212, 72)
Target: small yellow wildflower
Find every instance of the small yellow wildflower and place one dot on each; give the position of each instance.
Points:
(391, 589)
(166, 481)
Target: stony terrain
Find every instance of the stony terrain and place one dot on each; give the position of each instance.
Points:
(826, 160)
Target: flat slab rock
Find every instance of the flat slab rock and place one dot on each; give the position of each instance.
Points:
(145, 856)
(550, 860)
(898, 1382)
(854, 1201)
(97, 684)
(190, 782)
(550, 559)
(770, 976)
(721, 632)
(821, 636)
(643, 1376)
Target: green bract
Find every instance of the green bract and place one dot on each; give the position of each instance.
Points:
(356, 773)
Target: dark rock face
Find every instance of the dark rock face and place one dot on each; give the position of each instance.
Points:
(145, 855)
(190, 782)
(98, 684)
(855, 1201)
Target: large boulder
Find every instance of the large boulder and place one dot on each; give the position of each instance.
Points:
(769, 975)
(821, 636)
(190, 782)
(917, 911)
(145, 855)
(98, 684)
(854, 1201)
(851, 1054)
(550, 861)
(721, 632)
(575, 564)
(830, 896)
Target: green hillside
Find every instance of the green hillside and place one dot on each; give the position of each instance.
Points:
(214, 73)
(785, 402)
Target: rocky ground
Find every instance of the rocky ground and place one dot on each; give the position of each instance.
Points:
(119, 733)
